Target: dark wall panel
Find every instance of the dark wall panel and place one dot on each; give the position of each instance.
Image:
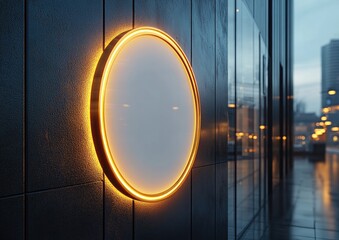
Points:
(203, 203)
(11, 96)
(118, 214)
(118, 18)
(12, 218)
(221, 94)
(64, 43)
(221, 120)
(221, 201)
(275, 93)
(66, 213)
(168, 219)
(203, 62)
(173, 17)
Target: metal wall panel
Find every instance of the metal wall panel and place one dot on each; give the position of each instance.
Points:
(11, 97)
(203, 203)
(203, 62)
(12, 218)
(64, 45)
(221, 52)
(66, 213)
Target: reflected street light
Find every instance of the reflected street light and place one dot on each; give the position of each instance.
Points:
(331, 92)
(328, 123)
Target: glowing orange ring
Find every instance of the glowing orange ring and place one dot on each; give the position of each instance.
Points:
(119, 44)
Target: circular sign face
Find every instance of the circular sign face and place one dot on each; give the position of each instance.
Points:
(148, 113)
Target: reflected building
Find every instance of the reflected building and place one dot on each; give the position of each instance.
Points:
(304, 125)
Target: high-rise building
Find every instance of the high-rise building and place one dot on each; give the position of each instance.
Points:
(330, 73)
(330, 88)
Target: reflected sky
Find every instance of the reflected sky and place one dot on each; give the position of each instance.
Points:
(315, 23)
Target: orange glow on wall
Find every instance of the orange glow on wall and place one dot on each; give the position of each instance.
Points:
(145, 114)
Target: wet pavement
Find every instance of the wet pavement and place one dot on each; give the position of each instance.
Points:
(306, 206)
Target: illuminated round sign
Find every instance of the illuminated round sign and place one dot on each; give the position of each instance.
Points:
(145, 114)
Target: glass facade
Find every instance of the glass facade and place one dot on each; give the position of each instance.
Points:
(257, 110)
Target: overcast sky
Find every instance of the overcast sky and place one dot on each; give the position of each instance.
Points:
(315, 23)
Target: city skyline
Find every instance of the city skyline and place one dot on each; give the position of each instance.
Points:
(323, 17)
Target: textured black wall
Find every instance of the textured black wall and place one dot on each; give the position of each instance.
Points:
(11, 120)
(52, 185)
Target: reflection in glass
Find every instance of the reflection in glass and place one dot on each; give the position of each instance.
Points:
(231, 119)
(247, 74)
(245, 107)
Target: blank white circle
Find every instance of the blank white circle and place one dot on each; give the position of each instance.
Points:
(149, 114)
